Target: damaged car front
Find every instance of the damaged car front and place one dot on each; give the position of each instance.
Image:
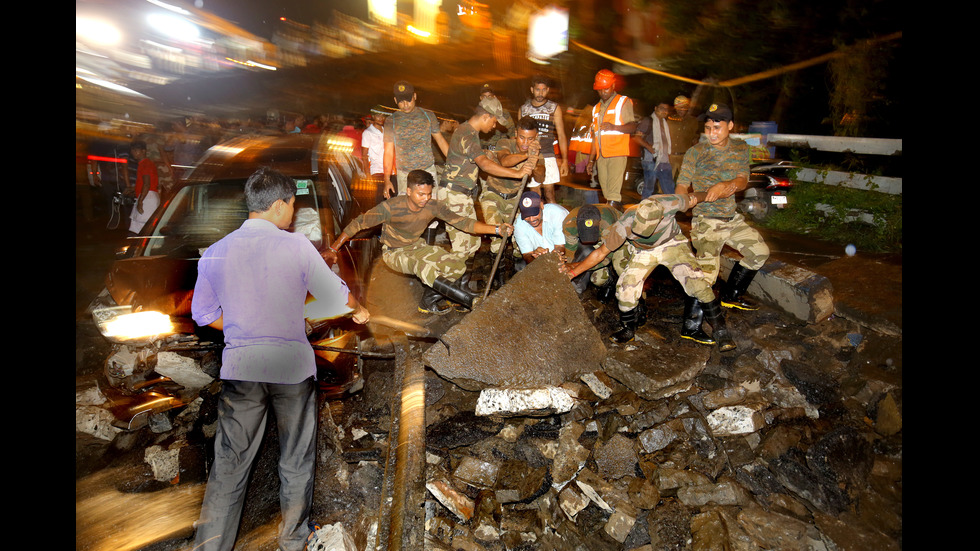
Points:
(160, 359)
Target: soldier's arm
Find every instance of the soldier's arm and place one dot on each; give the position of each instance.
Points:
(495, 169)
(576, 269)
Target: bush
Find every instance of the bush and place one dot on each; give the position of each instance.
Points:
(870, 220)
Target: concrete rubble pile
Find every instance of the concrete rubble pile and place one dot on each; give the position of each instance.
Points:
(793, 442)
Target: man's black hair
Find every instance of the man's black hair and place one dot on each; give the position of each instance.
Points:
(540, 79)
(265, 187)
(138, 144)
(527, 123)
(419, 177)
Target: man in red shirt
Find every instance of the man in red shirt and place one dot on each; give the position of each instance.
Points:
(147, 188)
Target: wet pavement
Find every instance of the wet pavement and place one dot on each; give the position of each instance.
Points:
(815, 461)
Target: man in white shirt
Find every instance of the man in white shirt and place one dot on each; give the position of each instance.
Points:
(373, 148)
(653, 135)
(539, 229)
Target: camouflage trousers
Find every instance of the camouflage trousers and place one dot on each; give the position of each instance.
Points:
(427, 262)
(496, 211)
(710, 235)
(677, 256)
(464, 244)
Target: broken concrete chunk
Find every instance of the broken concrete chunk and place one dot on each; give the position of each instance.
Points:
(590, 491)
(331, 537)
(619, 525)
(734, 420)
(517, 481)
(539, 402)
(656, 370)
(165, 463)
(643, 493)
(723, 493)
(598, 383)
(616, 457)
(723, 397)
(570, 455)
(476, 472)
(456, 502)
(571, 501)
(183, 370)
(657, 438)
(669, 480)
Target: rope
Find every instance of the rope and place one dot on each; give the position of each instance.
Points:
(746, 79)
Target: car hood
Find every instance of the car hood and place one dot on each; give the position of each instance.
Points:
(153, 283)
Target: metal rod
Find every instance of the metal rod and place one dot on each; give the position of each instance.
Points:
(503, 242)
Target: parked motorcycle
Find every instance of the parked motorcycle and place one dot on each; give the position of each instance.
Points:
(769, 186)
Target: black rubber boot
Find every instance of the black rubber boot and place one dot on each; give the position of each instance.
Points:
(433, 303)
(627, 329)
(691, 328)
(641, 313)
(456, 291)
(715, 317)
(735, 286)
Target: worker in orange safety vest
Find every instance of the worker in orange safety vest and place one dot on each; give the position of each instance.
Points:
(612, 125)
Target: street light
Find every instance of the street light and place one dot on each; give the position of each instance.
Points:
(95, 31)
(547, 34)
(173, 27)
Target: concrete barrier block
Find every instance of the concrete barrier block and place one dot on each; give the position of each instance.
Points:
(797, 291)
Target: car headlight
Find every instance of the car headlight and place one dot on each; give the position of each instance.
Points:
(120, 324)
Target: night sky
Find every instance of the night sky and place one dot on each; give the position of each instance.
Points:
(258, 16)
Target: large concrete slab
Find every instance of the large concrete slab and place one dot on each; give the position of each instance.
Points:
(653, 368)
(533, 331)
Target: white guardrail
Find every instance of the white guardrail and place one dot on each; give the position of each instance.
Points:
(869, 146)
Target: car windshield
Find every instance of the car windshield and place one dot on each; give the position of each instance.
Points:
(201, 214)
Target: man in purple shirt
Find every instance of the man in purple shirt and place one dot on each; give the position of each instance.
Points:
(253, 284)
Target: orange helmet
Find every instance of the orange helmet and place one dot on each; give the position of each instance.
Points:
(604, 79)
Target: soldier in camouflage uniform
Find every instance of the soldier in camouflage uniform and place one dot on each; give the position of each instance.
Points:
(583, 229)
(464, 161)
(403, 219)
(505, 121)
(499, 198)
(408, 136)
(720, 167)
(651, 236)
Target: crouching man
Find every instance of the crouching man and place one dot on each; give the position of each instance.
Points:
(652, 237)
(403, 220)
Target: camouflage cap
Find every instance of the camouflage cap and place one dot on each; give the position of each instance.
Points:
(492, 106)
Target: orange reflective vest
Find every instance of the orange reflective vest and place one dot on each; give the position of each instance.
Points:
(611, 143)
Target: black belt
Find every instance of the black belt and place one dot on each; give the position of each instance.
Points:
(460, 189)
(505, 196)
